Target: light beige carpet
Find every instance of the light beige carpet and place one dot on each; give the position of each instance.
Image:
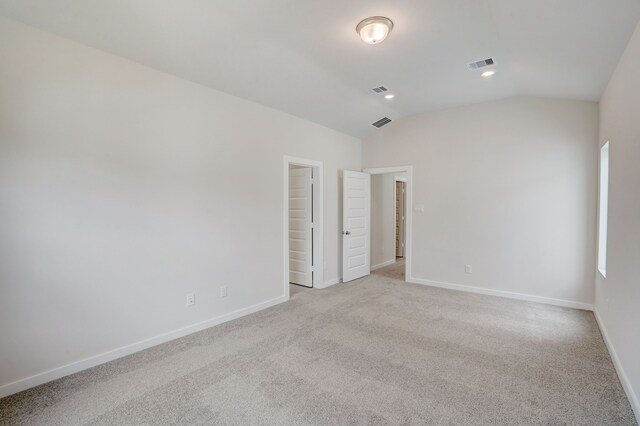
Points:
(373, 351)
(395, 271)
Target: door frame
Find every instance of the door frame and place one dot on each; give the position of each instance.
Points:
(404, 211)
(318, 216)
(408, 217)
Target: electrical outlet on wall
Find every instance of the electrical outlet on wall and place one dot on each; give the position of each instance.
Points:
(468, 269)
(223, 291)
(191, 299)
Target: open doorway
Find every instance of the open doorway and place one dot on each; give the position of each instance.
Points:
(390, 222)
(301, 222)
(399, 216)
(303, 240)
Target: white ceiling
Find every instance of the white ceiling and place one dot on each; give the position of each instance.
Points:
(305, 58)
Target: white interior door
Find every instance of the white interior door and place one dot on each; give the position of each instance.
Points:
(356, 223)
(300, 227)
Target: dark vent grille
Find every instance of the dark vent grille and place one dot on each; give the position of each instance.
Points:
(481, 64)
(379, 89)
(381, 122)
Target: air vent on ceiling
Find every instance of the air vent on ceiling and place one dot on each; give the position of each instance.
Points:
(380, 89)
(381, 122)
(481, 64)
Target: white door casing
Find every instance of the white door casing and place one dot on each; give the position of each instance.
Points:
(399, 215)
(356, 224)
(300, 227)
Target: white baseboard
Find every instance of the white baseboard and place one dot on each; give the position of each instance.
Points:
(383, 264)
(626, 384)
(502, 293)
(74, 367)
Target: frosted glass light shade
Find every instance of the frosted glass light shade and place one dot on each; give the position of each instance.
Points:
(375, 29)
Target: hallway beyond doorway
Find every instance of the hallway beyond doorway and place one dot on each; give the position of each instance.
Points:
(395, 271)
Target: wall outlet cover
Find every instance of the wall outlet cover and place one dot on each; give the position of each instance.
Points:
(191, 299)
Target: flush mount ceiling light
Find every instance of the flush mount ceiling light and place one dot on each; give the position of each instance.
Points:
(488, 73)
(375, 29)
(389, 96)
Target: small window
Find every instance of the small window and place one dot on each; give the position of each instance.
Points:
(604, 202)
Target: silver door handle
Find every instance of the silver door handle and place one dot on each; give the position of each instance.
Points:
(346, 233)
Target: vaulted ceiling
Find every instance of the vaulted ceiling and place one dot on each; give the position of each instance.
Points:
(305, 58)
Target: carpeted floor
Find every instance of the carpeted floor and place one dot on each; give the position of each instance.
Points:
(395, 271)
(373, 351)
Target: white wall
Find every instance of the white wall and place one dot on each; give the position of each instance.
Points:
(123, 188)
(508, 187)
(618, 295)
(383, 232)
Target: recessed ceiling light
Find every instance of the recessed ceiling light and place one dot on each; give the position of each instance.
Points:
(389, 96)
(375, 29)
(488, 73)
